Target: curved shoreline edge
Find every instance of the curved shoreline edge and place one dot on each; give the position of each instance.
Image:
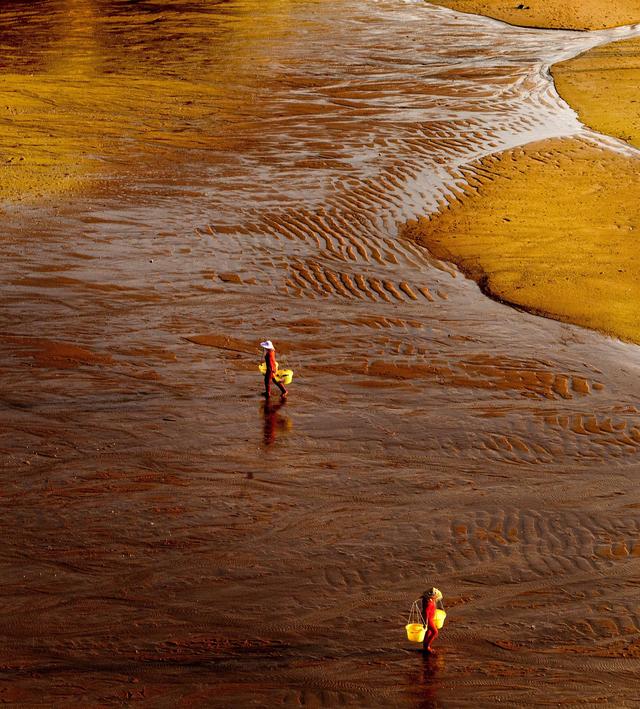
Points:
(611, 67)
(601, 85)
(552, 254)
(548, 229)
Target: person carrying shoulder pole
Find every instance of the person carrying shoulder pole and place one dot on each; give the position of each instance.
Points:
(272, 367)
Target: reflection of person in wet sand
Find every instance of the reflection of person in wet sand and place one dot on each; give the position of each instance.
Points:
(425, 683)
(273, 421)
(272, 367)
(431, 600)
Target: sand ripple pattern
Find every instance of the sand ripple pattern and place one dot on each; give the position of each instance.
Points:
(377, 148)
(171, 540)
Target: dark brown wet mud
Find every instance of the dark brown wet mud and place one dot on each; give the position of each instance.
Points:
(171, 541)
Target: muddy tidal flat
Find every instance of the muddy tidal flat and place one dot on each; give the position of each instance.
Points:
(433, 214)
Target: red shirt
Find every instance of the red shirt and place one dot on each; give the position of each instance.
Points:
(270, 359)
(429, 611)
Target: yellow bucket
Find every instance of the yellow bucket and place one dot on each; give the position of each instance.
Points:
(282, 375)
(439, 618)
(415, 632)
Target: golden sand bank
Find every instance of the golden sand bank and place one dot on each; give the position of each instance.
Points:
(548, 228)
(602, 85)
(555, 14)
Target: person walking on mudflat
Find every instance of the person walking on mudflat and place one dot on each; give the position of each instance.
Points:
(271, 369)
(431, 600)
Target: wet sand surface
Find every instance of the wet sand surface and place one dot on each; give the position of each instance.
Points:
(171, 541)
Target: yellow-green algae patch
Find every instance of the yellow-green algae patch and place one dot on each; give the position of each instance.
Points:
(33, 160)
(92, 94)
(603, 85)
(553, 228)
(56, 133)
(553, 14)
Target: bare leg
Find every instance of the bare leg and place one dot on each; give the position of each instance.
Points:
(281, 387)
(267, 385)
(430, 636)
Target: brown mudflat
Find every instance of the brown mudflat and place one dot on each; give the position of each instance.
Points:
(168, 538)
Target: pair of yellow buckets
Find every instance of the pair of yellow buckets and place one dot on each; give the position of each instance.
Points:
(415, 628)
(284, 376)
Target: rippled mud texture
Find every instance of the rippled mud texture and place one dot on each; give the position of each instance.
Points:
(554, 14)
(602, 85)
(553, 228)
(168, 539)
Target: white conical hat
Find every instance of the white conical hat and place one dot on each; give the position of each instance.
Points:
(267, 344)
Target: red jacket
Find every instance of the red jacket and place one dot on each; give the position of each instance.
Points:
(270, 359)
